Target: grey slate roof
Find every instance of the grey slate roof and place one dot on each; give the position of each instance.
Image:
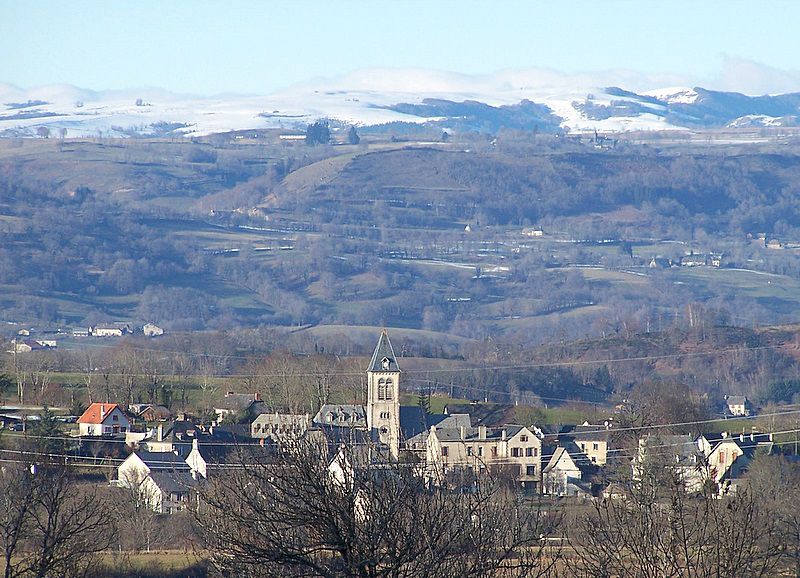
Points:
(174, 482)
(488, 414)
(471, 433)
(239, 402)
(162, 460)
(343, 415)
(591, 433)
(453, 421)
(383, 351)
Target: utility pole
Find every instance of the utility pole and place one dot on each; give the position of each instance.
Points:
(20, 391)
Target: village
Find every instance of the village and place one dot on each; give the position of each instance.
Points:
(164, 459)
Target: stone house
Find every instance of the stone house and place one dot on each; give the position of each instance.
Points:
(280, 426)
(512, 449)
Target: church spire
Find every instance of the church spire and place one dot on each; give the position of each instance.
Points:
(383, 359)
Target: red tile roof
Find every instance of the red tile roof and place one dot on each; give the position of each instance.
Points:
(97, 413)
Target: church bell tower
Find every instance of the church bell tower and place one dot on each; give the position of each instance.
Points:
(383, 395)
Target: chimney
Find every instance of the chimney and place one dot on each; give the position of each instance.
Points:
(481, 432)
(194, 444)
(228, 393)
(160, 433)
(463, 432)
(504, 435)
(741, 437)
(102, 412)
(256, 396)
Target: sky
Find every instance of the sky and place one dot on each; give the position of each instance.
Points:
(257, 47)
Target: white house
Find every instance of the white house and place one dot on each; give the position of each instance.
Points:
(103, 419)
(108, 330)
(562, 474)
(737, 405)
(152, 330)
(160, 481)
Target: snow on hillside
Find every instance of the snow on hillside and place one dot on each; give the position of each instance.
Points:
(674, 95)
(752, 120)
(360, 98)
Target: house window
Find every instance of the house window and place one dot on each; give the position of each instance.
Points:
(494, 451)
(515, 453)
(115, 417)
(530, 471)
(480, 451)
(384, 415)
(123, 429)
(469, 450)
(445, 451)
(721, 457)
(583, 447)
(382, 388)
(594, 459)
(107, 429)
(388, 389)
(529, 452)
(523, 438)
(595, 446)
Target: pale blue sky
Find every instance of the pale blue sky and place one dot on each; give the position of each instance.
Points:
(210, 47)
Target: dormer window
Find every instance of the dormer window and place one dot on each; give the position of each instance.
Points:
(385, 363)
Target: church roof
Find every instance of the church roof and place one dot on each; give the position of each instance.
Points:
(342, 415)
(383, 351)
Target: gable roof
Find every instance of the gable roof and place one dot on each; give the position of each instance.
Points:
(161, 460)
(237, 401)
(158, 412)
(590, 433)
(174, 482)
(409, 424)
(559, 454)
(97, 413)
(383, 351)
(488, 414)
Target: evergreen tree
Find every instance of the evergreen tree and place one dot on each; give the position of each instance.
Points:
(46, 433)
(318, 133)
(352, 136)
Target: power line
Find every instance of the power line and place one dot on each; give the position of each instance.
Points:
(515, 366)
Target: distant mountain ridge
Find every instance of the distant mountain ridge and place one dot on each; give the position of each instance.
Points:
(444, 101)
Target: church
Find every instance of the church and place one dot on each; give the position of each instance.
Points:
(383, 395)
(386, 421)
(444, 442)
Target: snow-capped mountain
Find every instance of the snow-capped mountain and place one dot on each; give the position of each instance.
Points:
(516, 99)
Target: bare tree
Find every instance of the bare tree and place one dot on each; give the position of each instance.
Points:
(136, 503)
(50, 525)
(660, 530)
(363, 516)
